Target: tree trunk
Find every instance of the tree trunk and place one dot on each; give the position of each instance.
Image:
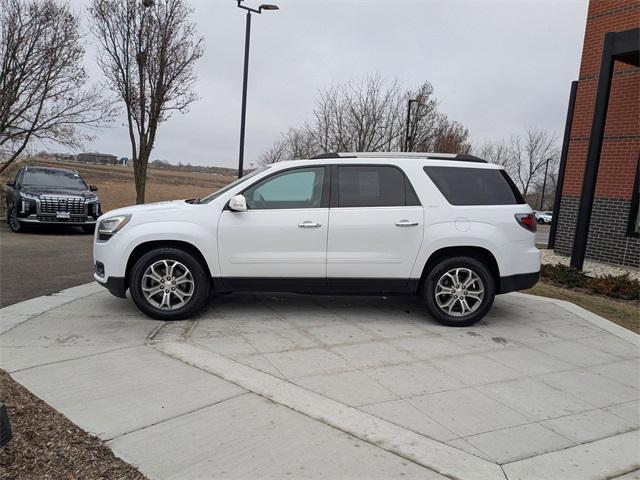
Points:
(141, 174)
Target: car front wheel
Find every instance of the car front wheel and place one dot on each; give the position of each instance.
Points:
(169, 284)
(12, 219)
(459, 291)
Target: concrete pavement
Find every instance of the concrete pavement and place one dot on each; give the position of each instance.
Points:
(262, 386)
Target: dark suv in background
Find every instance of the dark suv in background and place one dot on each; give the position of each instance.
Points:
(47, 195)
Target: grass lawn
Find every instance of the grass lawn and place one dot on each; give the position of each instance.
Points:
(624, 313)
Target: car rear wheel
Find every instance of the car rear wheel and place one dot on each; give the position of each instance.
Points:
(169, 284)
(12, 219)
(459, 291)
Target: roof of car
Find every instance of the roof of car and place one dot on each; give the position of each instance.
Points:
(421, 155)
(397, 158)
(44, 168)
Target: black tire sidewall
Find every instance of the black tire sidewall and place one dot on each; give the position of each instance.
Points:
(13, 212)
(200, 277)
(480, 269)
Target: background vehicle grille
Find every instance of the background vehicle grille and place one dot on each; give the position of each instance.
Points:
(49, 204)
(53, 218)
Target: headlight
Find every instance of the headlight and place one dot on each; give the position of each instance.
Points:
(110, 226)
(29, 196)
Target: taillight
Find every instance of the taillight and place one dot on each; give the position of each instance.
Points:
(527, 220)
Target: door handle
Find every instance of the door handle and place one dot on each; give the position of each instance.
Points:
(309, 224)
(406, 223)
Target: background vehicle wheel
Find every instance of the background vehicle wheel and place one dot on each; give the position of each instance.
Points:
(88, 228)
(12, 219)
(169, 284)
(459, 291)
(541, 221)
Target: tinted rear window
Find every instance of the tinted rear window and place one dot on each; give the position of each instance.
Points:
(474, 186)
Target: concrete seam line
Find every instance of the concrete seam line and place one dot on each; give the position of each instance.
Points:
(159, 422)
(88, 355)
(597, 320)
(604, 458)
(429, 453)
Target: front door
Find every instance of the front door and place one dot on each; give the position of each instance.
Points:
(283, 233)
(375, 224)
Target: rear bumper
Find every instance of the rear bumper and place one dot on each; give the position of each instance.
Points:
(116, 285)
(521, 281)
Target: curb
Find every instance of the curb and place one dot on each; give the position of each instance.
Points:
(13, 315)
(597, 320)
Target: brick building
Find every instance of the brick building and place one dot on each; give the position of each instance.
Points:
(596, 210)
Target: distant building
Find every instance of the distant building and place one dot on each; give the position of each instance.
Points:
(99, 158)
(596, 207)
(123, 161)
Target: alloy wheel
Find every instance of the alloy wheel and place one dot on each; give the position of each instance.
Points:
(167, 284)
(459, 292)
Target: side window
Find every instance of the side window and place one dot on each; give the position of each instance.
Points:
(18, 178)
(374, 186)
(474, 186)
(300, 188)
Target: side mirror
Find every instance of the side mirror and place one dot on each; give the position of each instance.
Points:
(11, 183)
(238, 203)
(93, 188)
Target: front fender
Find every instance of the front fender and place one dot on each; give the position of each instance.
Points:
(117, 251)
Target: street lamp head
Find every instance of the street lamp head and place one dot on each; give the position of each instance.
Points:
(267, 6)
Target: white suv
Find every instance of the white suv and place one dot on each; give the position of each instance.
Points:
(451, 228)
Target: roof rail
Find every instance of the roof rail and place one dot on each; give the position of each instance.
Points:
(425, 155)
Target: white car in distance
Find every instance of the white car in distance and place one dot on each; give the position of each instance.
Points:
(452, 229)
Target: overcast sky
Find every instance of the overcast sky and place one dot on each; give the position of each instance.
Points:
(497, 67)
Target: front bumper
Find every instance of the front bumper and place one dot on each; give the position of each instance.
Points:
(79, 220)
(116, 285)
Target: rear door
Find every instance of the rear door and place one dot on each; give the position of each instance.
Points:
(375, 224)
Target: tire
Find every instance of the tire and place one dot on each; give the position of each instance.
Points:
(541, 221)
(156, 306)
(12, 220)
(89, 228)
(483, 280)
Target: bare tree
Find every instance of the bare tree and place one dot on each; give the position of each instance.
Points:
(369, 116)
(528, 157)
(42, 83)
(494, 151)
(148, 50)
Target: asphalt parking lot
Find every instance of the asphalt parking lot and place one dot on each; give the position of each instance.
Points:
(266, 386)
(42, 261)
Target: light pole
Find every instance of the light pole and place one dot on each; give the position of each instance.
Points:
(246, 74)
(544, 184)
(408, 137)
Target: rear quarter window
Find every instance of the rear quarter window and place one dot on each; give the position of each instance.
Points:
(474, 186)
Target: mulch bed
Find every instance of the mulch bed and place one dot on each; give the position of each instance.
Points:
(46, 445)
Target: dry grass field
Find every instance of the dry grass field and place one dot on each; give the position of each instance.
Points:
(116, 188)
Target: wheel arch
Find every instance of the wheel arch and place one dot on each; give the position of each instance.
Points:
(479, 253)
(148, 246)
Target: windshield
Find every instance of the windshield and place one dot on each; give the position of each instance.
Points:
(226, 188)
(53, 178)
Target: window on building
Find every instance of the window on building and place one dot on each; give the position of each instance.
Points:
(474, 186)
